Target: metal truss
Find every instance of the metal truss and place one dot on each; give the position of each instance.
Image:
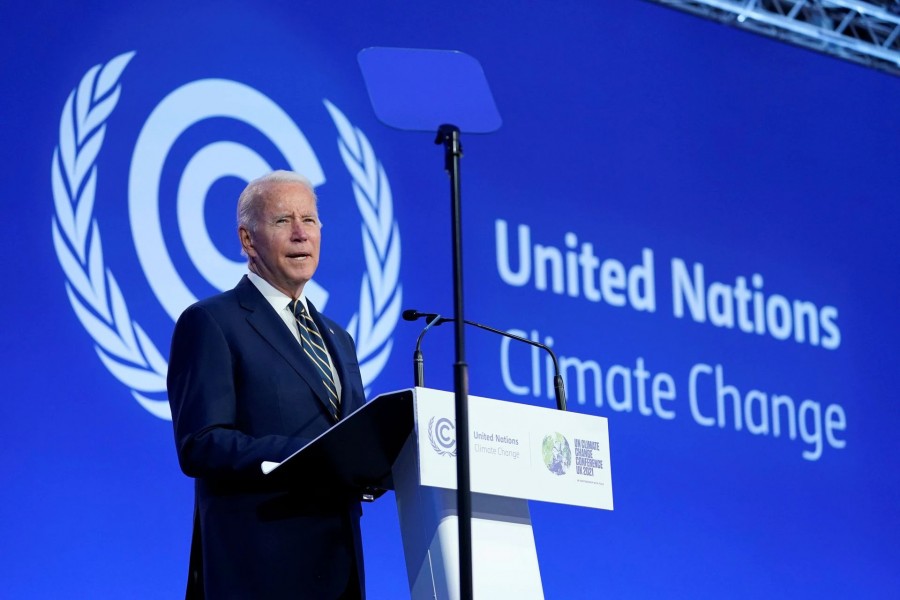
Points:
(867, 33)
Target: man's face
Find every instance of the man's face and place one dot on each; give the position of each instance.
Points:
(284, 249)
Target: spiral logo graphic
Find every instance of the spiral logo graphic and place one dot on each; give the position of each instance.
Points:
(442, 435)
(176, 113)
(121, 343)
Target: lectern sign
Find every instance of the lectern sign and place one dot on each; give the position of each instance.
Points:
(517, 450)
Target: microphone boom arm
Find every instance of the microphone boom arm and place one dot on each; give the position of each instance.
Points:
(418, 360)
(433, 319)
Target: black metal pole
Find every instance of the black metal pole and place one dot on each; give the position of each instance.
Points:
(448, 135)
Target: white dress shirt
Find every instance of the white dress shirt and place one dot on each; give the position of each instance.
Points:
(281, 302)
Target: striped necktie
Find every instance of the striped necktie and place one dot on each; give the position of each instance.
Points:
(314, 347)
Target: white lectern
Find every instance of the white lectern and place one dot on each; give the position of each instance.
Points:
(406, 441)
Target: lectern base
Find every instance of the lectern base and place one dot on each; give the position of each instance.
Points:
(505, 563)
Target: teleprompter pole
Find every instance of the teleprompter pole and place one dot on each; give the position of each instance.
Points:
(448, 136)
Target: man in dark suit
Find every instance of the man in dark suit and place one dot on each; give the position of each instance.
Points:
(245, 387)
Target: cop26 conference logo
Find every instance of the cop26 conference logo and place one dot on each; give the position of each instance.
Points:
(122, 345)
(557, 453)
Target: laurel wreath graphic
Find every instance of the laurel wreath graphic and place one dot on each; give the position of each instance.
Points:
(96, 298)
(122, 345)
(432, 429)
(380, 294)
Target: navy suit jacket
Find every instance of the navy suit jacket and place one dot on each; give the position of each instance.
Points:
(242, 392)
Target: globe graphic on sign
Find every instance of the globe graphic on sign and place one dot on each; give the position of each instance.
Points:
(557, 453)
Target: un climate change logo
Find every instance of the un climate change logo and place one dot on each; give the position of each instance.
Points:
(121, 343)
(442, 435)
(557, 453)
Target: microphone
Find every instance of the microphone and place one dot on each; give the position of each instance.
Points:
(413, 315)
(418, 361)
(435, 319)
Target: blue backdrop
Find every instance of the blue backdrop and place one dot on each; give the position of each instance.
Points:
(702, 222)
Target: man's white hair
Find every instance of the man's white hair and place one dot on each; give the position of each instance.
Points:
(248, 202)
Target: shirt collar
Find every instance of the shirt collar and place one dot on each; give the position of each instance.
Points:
(278, 299)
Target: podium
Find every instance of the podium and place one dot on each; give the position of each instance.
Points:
(405, 441)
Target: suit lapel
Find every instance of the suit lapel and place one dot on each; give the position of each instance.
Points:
(269, 325)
